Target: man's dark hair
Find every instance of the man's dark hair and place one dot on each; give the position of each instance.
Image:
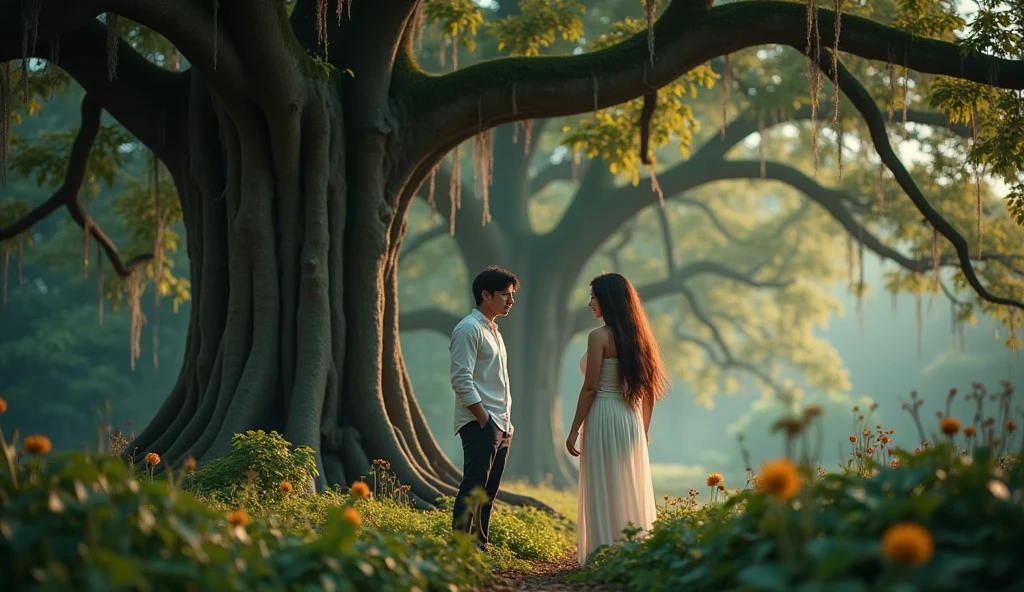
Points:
(493, 279)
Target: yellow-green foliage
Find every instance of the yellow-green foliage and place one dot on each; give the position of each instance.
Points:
(258, 459)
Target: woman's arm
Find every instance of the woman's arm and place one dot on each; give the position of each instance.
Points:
(596, 342)
(648, 406)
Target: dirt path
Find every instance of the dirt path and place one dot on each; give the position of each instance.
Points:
(545, 576)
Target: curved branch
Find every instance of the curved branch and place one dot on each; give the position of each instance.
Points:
(862, 100)
(67, 193)
(744, 126)
(420, 240)
(728, 361)
(676, 283)
(434, 319)
(492, 92)
(146, 99)
(188, 24)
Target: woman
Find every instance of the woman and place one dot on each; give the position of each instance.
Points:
(623, 377)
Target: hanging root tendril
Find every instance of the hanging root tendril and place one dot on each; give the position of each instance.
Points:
(726, 83)
(646, 115)
(650, 9)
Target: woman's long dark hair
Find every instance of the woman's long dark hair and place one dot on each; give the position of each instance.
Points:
(642, 372)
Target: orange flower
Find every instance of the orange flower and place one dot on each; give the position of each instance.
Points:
(870, 450)
(885, 440)
(286, 487)
(714, 479)
(190, 465)
(360, 490)
(1011, 426)
(3, 405)
(780, 479)
(908, 543)
(949, 426)
(152, 459)
(238, 518)
(853, 439)
(969, 431)
(352, 515)
(38, 444)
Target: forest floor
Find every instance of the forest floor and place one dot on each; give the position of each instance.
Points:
(546, 576)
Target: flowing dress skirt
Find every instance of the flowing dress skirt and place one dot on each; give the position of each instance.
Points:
(615, 488)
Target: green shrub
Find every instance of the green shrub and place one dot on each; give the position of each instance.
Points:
(91, 523)
(962, 498)
(256, 465)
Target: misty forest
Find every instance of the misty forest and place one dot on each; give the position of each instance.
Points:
(236, 239)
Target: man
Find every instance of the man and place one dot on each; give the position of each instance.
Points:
(483, 399)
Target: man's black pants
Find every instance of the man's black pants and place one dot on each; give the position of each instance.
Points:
(485, 451)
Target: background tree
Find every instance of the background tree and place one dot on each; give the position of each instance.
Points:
(297, 141)
(750, 273)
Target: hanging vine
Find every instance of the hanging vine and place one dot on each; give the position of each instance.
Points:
(860, 283)
(977, 177)
(137, 318)
(454, 191)
(650, 10)
(30, 34)
(527, 136)
(813, 52)
(837, 7)
(112, 38)
(321, 26)
(891, 72)
(432, 187)
(935, 259)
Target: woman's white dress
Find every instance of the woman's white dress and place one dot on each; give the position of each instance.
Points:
(615, 488)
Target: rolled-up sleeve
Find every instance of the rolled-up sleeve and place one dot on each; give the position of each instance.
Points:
(464, 345)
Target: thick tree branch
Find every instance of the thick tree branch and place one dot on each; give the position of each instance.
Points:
(862, 100)
(188, 24)
(508, 89)
(433, 319)
(146, 99)
(67, 194)
(727, 361)
(420, 240)
(742, 127)
(677, 284)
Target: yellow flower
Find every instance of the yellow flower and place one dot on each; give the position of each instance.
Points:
(152, 459)
(286, 487)
(780, 479)
(908, 543)
(3, 405)
(360, 489)
(238, 518)
(352, 515)
(38, 444)
(949, 426)
(190, 465)
(714, 479)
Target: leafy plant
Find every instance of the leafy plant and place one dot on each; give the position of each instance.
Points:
(259, 459)
(938, 518)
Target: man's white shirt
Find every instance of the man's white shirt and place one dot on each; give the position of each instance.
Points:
(479, 371)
